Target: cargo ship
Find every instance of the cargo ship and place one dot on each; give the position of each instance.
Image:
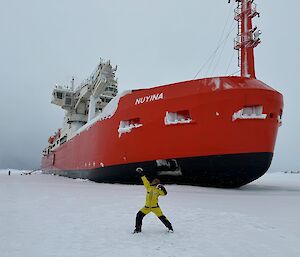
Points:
(216, 131)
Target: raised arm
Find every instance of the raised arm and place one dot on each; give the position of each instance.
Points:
(145, 181)
(143, 177)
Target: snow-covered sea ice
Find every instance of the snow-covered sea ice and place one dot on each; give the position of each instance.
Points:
(45, 215)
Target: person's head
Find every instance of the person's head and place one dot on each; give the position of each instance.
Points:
(155, 182)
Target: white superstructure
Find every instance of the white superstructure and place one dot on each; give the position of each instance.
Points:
(82, 104)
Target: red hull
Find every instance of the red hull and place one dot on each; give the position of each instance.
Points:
(210, 103)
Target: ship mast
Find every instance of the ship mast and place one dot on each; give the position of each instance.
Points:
(247, 38)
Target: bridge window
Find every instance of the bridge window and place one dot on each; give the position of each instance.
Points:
(59, 95)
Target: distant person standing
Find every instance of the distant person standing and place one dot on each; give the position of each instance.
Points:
(9, 173)
(154, 190)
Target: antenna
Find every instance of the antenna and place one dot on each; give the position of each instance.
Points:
(72, 83)
(248, 37)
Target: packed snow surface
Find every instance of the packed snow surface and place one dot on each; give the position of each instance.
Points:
(45, 215)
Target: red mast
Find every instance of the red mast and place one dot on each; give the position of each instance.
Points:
(248, 37)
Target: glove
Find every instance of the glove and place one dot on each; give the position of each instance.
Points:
(139, 170)
(159, 186)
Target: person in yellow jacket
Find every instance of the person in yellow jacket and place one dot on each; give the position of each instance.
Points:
(154, 190)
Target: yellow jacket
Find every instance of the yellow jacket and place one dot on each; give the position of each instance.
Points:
(152, 193)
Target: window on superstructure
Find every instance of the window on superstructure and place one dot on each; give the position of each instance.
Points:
(68, 101)
(59, 95)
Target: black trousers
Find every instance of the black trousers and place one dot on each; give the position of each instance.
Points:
(139, 221)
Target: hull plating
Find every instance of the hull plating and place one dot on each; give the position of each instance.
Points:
(227, 171)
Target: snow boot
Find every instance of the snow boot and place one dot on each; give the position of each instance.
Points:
(167, 223)
(139, 222)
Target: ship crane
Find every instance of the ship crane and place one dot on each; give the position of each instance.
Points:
(86, 101)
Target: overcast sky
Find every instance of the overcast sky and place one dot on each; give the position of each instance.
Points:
(152, 42)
